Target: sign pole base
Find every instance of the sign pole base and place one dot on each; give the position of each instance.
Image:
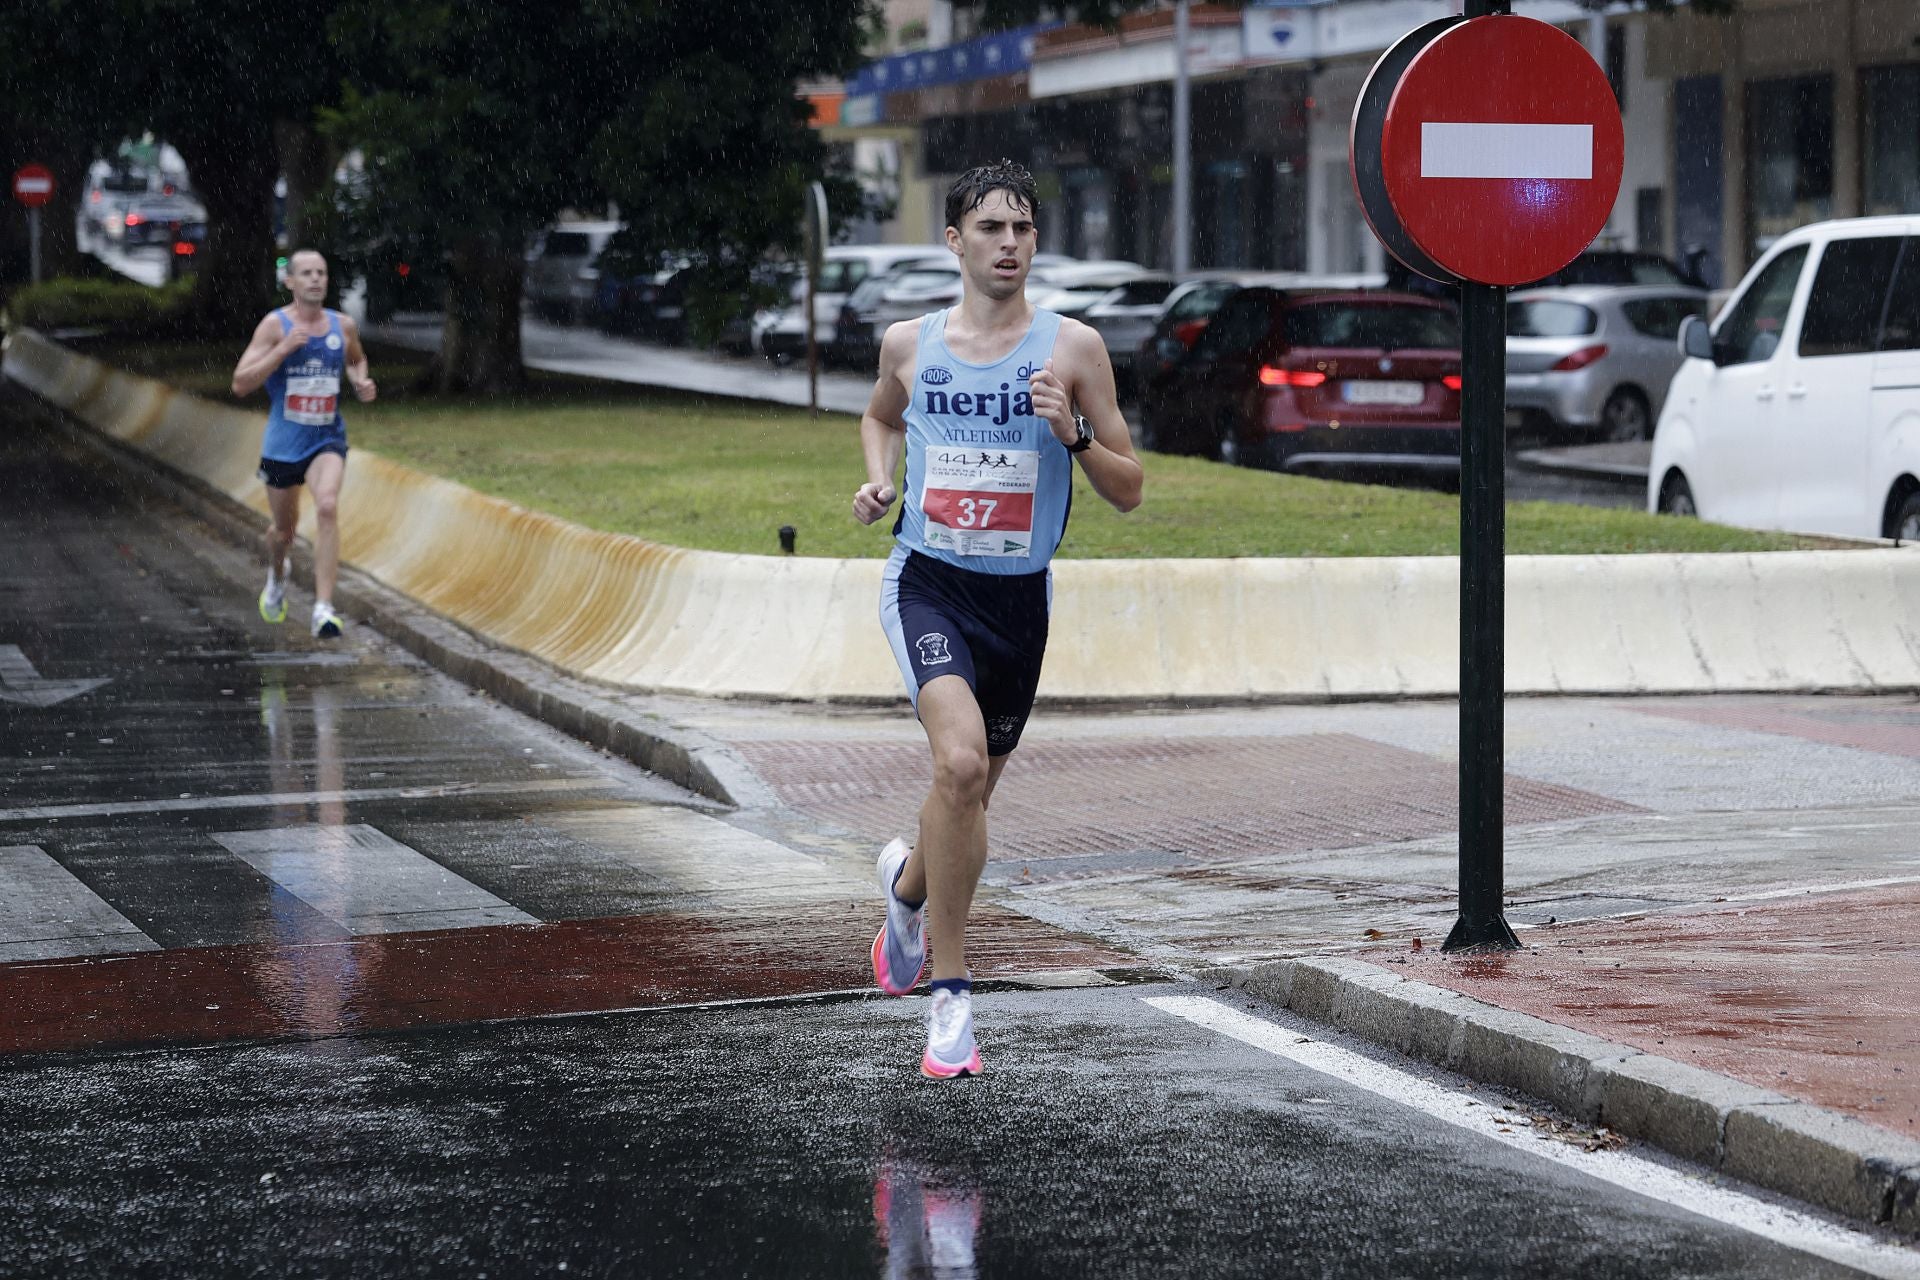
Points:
(1481, 935)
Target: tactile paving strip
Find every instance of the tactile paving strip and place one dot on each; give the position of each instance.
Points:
(1223, 797)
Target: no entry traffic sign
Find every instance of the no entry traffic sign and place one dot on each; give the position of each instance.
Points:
(1487, 149)
(33, 185)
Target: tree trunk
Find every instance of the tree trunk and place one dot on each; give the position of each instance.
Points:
(233, 173)
(480, 344)
(307, 160)
(59, 247)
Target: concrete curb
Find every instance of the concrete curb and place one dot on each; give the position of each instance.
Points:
(1837, 1162)
(681, 755)
(1556, 462)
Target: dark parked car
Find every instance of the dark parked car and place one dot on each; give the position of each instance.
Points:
(1291, 379)
(1595, 266)
(160, 218)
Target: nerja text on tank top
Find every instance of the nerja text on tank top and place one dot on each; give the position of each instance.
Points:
(306, 395)
(988, 484)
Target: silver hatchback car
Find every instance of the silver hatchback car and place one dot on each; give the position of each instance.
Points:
(1595, 359)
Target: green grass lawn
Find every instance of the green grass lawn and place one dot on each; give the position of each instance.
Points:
(696, 471)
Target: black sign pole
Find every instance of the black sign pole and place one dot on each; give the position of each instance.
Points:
(1483, 536)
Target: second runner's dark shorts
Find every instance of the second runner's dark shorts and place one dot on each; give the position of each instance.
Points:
(988, 629)
(286, 475)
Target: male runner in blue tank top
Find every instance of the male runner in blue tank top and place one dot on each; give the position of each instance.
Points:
(981, 400)
(300, 354)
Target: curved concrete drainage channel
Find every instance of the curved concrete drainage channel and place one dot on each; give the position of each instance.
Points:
(1846, 1165)
(637, 615)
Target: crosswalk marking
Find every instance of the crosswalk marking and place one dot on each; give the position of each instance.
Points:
(46, 913)
(278, 799)
(700, 855)
(366, 882)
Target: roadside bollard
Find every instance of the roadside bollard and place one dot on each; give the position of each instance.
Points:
(786, 539)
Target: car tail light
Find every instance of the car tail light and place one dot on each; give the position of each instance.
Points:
(1451, 381)
(402, 270)
(1579, 359)
(134, 219)
(1274, 376)
(1188, 330)
(183, 248)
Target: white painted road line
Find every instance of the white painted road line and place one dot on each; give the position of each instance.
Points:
(46, 913)
(20, 682)
(366, 882)
(274, 799)
(1506, 150)
(1730, 1208)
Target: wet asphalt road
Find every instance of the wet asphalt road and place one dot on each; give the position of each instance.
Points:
(277, 916)
(1107, 1138)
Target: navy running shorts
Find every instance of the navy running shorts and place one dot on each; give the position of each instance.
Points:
(286, 475)
(988, 629)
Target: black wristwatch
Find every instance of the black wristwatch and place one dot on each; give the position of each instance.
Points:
(1084, 431)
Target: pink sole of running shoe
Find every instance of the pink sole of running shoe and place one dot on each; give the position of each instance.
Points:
(934, 1069)
(882, 976)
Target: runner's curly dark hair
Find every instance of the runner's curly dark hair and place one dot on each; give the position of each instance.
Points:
(975, 185)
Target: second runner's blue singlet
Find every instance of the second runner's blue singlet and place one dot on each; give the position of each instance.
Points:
(306, 396)
(988, 484)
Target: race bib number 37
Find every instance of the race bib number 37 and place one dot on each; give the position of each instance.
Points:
(313, 401)
(979, 502)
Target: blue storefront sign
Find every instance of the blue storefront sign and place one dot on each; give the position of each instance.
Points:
(1001, 54)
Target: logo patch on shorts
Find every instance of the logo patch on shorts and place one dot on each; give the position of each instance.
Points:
(936, 376)
(1000, 728)
(933, 649)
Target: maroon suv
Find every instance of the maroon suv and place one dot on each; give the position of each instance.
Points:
(1291, 379)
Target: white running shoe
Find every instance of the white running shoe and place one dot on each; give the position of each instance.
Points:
(326, 623)
(951, 1050)
(273, 599)
(900, 948)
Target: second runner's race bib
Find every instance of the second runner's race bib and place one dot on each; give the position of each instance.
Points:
(979, 502)
(313, 401)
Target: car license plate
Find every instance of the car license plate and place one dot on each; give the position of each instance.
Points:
(1383, 392)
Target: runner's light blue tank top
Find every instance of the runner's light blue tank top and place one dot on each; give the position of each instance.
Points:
(988, 485)
(305, 417)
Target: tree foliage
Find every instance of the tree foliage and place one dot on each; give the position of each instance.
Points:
(480, 122)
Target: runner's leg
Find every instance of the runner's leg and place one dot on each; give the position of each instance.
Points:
(324, 476)
(283, 508)
(952, 850)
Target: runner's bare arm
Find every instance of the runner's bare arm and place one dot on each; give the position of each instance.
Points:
(1081, 374)
(264, 354)
(883, 428)
(357, 374)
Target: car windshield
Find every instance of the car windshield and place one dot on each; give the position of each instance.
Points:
(1542, 318)
(1385, 325)
(568, 244)
(924, 278)
(1619, 268)
(841, 276)
(1143, 293)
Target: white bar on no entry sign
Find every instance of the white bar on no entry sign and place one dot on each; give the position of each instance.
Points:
(33, 186)
(1506, 150)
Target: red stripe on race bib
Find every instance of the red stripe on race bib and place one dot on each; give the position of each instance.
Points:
(974, 509)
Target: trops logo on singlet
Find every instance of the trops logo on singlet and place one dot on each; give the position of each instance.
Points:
(936, 376)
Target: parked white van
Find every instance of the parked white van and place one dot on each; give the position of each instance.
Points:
(1800, 408)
